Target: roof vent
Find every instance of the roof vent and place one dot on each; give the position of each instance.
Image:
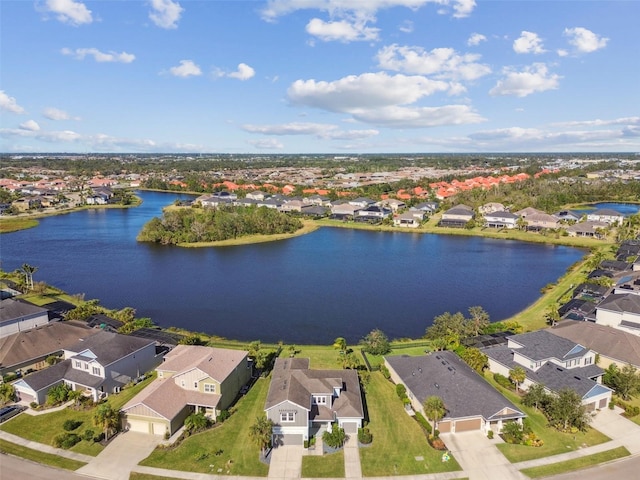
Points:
(577, 377)
(436, 385)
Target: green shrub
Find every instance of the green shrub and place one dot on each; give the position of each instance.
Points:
(401, 390)
(34, 405)
(364, 436)
(71, 424)
(335, 438)
(88, 435)
(490, 434)
(423, 422)
(66, 440)
(223, 415)
(503, 381)
(385, 372)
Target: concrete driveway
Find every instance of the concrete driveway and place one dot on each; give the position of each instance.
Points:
(618, 428)
(123, 453)
(286, 461)
(479, 457)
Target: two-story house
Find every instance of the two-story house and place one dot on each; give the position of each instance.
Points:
(302, 402)
(98, 365)
(554, 363)
(191, 379)
(17, 316)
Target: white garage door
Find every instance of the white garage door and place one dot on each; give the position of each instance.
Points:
(138, 426)
(158, 428)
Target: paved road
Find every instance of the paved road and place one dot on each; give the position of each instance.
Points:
(13, 468)
(623, 469)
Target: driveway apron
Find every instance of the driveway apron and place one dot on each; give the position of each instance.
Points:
(124, 452)
(352, 468)
(479, 457)
(286, 461)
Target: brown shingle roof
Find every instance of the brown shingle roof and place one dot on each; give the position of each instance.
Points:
(218, 363)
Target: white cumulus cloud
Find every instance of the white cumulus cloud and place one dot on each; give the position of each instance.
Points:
(267, 144)
(342, 30)
(319, 130)
(443, 63)
(30, 125)
(9, 104)
(165, 13)
(98, 56)
(187, 68)
(69, 11)
(57, 114)
(476, 39)
(418, 117)
(585, 41)
(534, 78)
(528, 42)
(244, 72)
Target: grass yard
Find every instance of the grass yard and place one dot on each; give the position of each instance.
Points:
(38, 456)
(227, 447)
(555, 442)
(323, 466)
(397, 438)
(576, 463)
(146, 476)
(14, 224)
(43, 428)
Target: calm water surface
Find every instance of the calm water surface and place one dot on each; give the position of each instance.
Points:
(308, 289)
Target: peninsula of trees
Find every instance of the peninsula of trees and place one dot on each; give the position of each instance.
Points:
(195, 225)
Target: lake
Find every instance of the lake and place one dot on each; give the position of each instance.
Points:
(308, 289)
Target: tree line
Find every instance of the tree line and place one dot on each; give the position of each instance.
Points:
(211, 225)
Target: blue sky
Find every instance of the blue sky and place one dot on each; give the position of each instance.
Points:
(319, 76)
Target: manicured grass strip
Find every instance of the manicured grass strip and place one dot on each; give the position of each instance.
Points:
(146, 476)
(227, 447)
(399, 446)
(576, 463)
(323, 466)
(39, 457)
(43, 428)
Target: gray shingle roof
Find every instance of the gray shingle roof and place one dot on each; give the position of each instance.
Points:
(11, 309)
(556, 378)
(444, 374)
(542, 345)
(292, 380)
(109, 347)
(627, 302)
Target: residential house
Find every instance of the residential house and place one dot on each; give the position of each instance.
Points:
(501, 219)
(611, 344)
(342, 211)
(318, 200)
(28, 350)
(553, 362)
(428, 207)
(302, 402)
(616, 266)
(620, 311)
(410, 219)
(470, 402)
(490, 208)
(361, 202)
(606, 215)
(457, 216)
(541, 221)
(393, 203)
(17, 316)
(99, 365)
(526, 212)
(372, 213)
(257, 195)
(567, 216)
(291, 206)
(215, 201)
(191, 379)
(587, 229)
(314, 211)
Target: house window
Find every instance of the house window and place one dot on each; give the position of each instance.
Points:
(287, 416)
(320, 400)
(78, 364)
(209, 388)
(96, 370)
(86, 366)
(588, 360)
(195, 384)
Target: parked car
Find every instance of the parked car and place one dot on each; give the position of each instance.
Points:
(10, 411)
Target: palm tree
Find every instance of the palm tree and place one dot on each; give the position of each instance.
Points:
(340, 344)
(261, 433)
(517, 375)
(434, 409)
(106, 417)
(28, 271)
(75, 395)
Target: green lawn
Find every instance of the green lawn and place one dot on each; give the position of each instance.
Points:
(227, 447)
(38, 456)
(576, 464)
(14, 224)
(43, 428)
(397, 438)
(555, 442)
(323, 466)
(146, 476)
